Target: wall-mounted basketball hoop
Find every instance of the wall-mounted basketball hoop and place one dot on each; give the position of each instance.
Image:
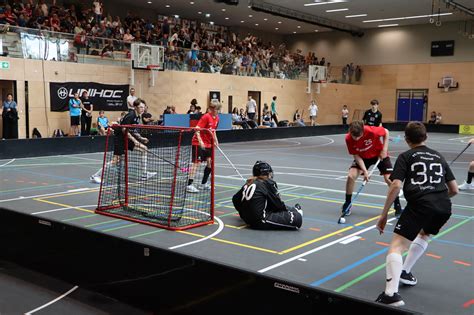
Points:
(448, 83)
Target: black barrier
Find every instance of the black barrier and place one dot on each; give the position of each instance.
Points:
(146, 276)
(22, 148)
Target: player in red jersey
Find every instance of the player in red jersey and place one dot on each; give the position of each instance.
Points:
(202, 146)
(365, 144)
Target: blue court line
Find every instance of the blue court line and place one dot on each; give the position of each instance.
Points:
(54, 176)
(347, 268)
(454, 243)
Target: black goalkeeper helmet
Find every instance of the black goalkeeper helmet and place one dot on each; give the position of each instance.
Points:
(261, 168)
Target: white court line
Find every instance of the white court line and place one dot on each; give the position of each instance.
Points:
(331, 141)
(62, 209)
(53, 301)
(350, 240)
(460, 138)
(221, 227)
(51, 164)
(337, 190)
(317, 249)
(11, 161)
(42, 195)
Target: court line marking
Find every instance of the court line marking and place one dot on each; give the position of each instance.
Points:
(63, 205)
(317, 249)
(53, 301)
(9, 162)
(210, 236)
(61, 209)
(350, 240)
(379, 267)
(331, 141)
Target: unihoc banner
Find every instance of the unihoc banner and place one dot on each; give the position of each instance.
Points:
(466, 129)
(106, 97)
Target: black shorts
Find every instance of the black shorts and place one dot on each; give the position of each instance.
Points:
(200, 154)
(119, 146)
(385, 166)
(75, 120)
(429, 217)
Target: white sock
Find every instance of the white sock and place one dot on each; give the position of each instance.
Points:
(144, 162)
(394, 269)
(417, 248)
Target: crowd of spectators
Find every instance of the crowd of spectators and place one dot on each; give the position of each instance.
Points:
(189, 45)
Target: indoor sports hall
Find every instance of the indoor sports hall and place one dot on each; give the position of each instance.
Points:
(128, 129)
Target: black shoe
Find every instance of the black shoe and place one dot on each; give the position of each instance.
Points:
(394, 300)
(408, 278)
(398, 211)
(298, 206)
(346, 209)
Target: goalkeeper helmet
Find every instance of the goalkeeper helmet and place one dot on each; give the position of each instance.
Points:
(261, 168)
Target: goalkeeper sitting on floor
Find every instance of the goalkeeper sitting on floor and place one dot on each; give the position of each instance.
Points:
(135, 141)
(260, 206)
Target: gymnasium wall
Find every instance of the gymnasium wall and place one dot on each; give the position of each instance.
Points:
(178, 88)
(382, 46)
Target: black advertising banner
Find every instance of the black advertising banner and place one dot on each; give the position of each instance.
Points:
(215, 95)
(106, 97)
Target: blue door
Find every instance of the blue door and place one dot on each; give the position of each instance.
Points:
(411, 105)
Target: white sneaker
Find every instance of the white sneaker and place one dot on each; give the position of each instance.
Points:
(192, 189)
(466, 186)
(96, 179)
(206, 186)
(148, 175)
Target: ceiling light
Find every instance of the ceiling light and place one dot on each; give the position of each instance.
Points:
(356, 15)
(407, 17)
(176, 16)
(277, 28)
(249, 6)
(149, 2)
(223, 10)
(192, 2)
(279, 22)
(212, 23)
(199, 12)
(167, 6)
(250, 15)
(294, 32)
(208, 15)
(298, 26)
(338, 10)
(265, 19)
(256, 24)
(316, 30)
(242, 21)
(226, 18)
(387, 25)
(325, 2)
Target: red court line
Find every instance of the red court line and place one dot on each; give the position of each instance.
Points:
(468, 303)
(434, 256)
(315, 229)
(361, 239)
(219, 212)
(382, 243)
(459, 262)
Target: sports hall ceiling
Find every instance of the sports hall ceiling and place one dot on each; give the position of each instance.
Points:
(242, 15)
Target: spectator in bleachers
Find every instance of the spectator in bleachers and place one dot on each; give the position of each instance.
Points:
(439, 119)
(86, 114)
(297, 120)
(313, 112)
(102, 123)
(432, 118)
(75, 114)
(251, 108)
(237, 119)
(344, 114)
(274, 110)
(130, 99)
(10, 118)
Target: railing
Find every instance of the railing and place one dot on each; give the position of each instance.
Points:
(20, 42)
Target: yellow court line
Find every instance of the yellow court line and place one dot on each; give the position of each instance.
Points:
(63, 205)
(232, 243)
(71, 194)
(286, 251)
(236, 227)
